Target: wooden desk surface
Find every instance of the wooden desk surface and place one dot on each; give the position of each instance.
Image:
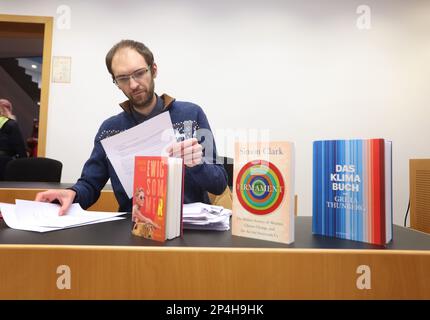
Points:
(104, 261)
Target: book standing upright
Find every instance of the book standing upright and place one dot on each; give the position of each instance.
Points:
(263, 191)
(352, 190)
(158, 197)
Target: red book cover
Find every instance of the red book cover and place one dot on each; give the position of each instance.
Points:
(150, 197)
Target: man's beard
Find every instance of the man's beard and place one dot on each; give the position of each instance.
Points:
(146, 100)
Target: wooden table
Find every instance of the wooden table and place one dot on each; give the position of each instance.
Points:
(104, 261)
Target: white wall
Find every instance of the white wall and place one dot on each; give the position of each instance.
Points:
(299, 68)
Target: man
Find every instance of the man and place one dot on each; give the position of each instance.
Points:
(133, 70)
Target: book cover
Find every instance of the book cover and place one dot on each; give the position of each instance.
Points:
(352, 192)
(263, 191)
(150, 197)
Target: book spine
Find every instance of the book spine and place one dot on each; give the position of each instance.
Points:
(377, 184)
(182, 199)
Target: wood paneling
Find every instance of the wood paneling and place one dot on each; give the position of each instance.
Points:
(419, 184)
(29, 272)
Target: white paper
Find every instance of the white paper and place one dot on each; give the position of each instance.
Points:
(214, 227)
(150, 138)
(9, 216)
(43, 217)
(197, 208)
(206, 217)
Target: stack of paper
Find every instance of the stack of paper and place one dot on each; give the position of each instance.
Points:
(206, 217)
(43, 217)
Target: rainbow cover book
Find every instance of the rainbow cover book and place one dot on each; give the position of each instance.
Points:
(263, 191)
(352, 190)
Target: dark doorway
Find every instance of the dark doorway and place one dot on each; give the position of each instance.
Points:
(25, 64)
(21, 50)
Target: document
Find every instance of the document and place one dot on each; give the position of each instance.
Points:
(150, 138)
(9, 217)
(206, 217)
(42, 217)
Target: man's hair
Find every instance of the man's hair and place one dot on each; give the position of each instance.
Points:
(138, 46)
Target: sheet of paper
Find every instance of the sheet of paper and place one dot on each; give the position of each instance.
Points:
(206, 217)
(46, 214)
(198, 208)
(150, 138)
(221, 226)
(43, 217)
(9, 216)
(208, 220)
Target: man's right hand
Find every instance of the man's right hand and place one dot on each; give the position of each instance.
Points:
(64, 196)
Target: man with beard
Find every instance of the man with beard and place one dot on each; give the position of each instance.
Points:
(132, 67)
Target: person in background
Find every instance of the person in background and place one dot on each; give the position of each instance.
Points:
(11, 140)
(7, 109)
(33, 140)
(133, 70)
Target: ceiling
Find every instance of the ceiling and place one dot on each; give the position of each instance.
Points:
(21, 47)
(21, 39)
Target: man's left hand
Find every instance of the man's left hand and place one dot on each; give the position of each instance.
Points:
(189, 150)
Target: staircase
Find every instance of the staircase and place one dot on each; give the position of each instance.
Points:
(18, 73)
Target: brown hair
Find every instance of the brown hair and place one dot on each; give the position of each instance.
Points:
(138, 46)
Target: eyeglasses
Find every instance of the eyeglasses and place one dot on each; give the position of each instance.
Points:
(137, 75)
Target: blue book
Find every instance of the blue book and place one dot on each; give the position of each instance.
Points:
(352, 190)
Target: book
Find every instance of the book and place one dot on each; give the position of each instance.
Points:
(158, 197)
(352, 190)
(263, 191)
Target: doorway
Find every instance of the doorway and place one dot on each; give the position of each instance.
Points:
(25, 63)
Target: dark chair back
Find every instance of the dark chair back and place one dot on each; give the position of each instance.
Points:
(33, 170)
(4, 160)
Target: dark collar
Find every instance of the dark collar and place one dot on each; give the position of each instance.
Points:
(167, 102)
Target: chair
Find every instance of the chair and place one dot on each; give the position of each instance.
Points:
(33, 170)
(226, 198)
(4, 160)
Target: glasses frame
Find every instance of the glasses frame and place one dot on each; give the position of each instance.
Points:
(131, 75)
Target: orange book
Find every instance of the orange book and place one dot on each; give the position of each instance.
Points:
(158, 197)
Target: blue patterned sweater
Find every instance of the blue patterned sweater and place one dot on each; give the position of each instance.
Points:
(188, 120)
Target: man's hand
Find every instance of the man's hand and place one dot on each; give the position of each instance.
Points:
(189, 150)
(64, 196)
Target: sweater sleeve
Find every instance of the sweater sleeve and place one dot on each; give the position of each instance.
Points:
(210, 175)
(94, 176)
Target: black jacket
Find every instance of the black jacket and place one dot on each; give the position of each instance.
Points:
(11, 140)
